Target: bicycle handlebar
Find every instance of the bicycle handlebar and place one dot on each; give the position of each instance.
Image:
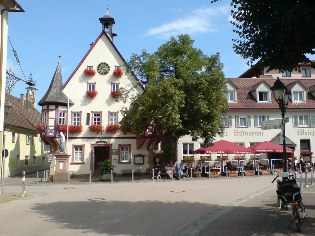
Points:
(274, 179)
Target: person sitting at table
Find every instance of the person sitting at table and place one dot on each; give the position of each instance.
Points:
(168, 170)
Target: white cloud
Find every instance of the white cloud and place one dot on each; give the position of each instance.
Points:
(201, 20)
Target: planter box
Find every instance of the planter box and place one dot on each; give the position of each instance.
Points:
(215, 176)
(105, 177)
(249, 173)
(233, 174)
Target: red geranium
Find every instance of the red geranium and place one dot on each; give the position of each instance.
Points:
(116, 94)
(89, 71)
(91, 94)
(40, 127)
(75, 129)
(96, 128)
(62, 128)
(118, 72)
(112, 128)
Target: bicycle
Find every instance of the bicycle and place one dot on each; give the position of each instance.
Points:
(289, 192)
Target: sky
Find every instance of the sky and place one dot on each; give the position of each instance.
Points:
(49, 29)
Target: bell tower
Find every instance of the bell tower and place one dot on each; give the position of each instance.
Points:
(107, 24)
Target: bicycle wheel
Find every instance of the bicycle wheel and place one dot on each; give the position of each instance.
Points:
(296, 216)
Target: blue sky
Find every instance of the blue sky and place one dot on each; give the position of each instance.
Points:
(48, 29)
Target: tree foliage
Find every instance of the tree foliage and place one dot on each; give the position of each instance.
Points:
(184, 95)
(274, 33)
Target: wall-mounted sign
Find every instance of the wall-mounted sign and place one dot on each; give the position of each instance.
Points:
(139, 159)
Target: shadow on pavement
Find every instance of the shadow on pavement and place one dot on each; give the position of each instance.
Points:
(100, 216)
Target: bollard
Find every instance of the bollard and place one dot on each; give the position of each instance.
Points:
(311, 176)
(226, 173)
(172, 175)
(23, 184)
(279, 203)
(242, 169)
(132, 175)
(37, 177)
(306, 182)
(191, 175)
(41, 176)
(111, 176)
(44, 175)
(209, 171)
(258, 170)
(273, 169)
(153, 174)
(90, 180)
(47, 175)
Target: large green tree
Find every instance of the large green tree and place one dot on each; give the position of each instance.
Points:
(275, 33)
(184, 94)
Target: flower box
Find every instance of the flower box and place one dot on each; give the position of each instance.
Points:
(215, 174)
(96, 128)
(112, 128)
(91, 94)
(249, 172)
(89, 71)
(73, 129)
(116, 94)
(265, 172)
(62, 128)
(233, 173)
(40, 127)
(118, 72)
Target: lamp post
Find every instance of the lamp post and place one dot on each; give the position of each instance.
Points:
(7, 110)
(282, 96)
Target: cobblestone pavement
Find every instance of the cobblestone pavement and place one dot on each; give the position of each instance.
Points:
(237, 206)
(260, 216)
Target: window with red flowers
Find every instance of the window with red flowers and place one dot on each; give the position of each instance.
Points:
(89, 71)
(118, 72)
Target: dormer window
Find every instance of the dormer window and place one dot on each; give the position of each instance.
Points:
(286, 73)
(263, 96)
(306, 72)
(230, 96)
(298, 96)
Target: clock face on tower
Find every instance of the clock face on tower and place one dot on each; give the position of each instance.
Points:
(103, 68)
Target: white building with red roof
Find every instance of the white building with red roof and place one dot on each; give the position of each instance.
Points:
(251, 102)
(81, 117)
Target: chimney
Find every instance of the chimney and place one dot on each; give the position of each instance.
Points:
(22, 98)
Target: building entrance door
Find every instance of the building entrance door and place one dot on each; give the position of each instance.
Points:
(101, 153)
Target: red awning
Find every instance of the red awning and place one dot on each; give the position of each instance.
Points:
(224, 147)
(269, 147)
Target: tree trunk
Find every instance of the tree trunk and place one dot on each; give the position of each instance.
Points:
(169, 147)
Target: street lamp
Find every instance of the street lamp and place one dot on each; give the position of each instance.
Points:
(7, 110)
(282, 96)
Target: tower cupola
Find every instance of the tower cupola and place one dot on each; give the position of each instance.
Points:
(107, 24)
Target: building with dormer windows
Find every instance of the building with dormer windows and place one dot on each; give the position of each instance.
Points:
(251, 102)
